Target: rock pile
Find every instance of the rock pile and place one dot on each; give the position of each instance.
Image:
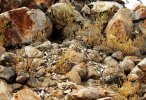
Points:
(93, 53)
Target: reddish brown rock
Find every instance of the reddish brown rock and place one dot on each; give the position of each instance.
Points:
(26, 94)
(23, 25)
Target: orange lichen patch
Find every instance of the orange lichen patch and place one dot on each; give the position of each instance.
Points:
(21, 19)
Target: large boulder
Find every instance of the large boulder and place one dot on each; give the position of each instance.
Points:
(119, 33)
(23, 25)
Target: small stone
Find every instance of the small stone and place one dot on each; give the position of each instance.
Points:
(57, 93)
(7, 73)
(26, 94)
(5, 91)
(92, 73)
(118, 55)
(16, 86)
(74, 77)
(32, 52)
(111, 62)
(135, 59)
(40, 73)
(78, 73)
(127, 66)
(22, 77)
(33, 82)
(44, 46)
(133, 77)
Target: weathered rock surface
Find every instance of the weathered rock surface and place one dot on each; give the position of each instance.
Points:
(88, 93)
(23, 25)
(26, 94)
(8, 74)
(5, 91)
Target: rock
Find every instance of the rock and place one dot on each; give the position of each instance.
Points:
(112, 75)
(34, 4)
(74, 77)
(32, 52)
(58, 93)
(7, 73)
(135, 59)
(44, 46)
(33, 25)
(40, 72)
(119, 32)
(16, 86)
(118, 55)
(139, 11)
(142, 65)
(36, 62)
(22, 77)
(111, 62)
(88, 93)
(10, 59)
(49, 83)
(26, 94)
(92, 73)
(33, 82)
(135, 74)
(78, 73)
(127, 66)
(66, 14)
(101, 6)
(2, 50)
(5, 91)
(95, 56)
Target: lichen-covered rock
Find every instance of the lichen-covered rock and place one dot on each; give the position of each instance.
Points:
(119, 33)
(23, 25)
(63, 14)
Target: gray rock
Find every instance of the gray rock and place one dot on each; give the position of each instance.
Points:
(33, 82)
(7, 73)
